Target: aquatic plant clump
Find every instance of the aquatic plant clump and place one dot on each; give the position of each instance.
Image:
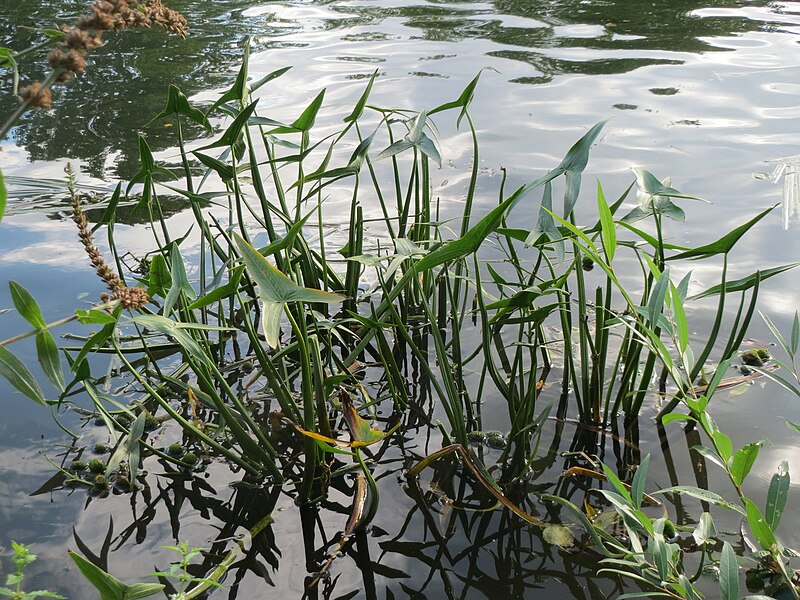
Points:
(304, 366)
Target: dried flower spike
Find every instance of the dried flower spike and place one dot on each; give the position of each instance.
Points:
(131, 298)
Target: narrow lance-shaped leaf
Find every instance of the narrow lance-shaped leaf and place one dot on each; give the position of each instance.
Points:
(745, 283)
(238, 91)
(703, 495)
(679, 316)
(18, 375)
(607, 225)
(574, 163)
(743, 461)
(724, 244)
(269, 77)
(50, 359)
(180, 281)
(225, 171)
(358, 109)
(728, 574)
(777, 495)
(26, 305)
(760, 528)
(639, 481)
(305, 121)
(657, 295)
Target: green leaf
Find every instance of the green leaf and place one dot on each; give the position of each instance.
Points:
(656, 302)
(129, 449)
(777, 494)
(795, 334)
(463, 101)
(50, 359)
(358, 109)
(110, 587)
(728, 574)
(472, 240)
(238, 91)
(679, 318)
(111, 210)
(94, 317)
(743, 461)
(639, 481)
(26, 305)
(269, 77)
(615, 481)
(745, 283)
(660, 557)
(723, 445)
(701, 494)
(671, 417)
(608, 229)
(178, 104)
(180, 281)
(724, 244)
(20, 377)
(234, 131)
(705, 532)
(276, 290)
(222, 292)
(574, 163)
(305, 121)
(759, 527)
(394, 149)
(7, 59)
(226, 172)
(159, 281)
(3, 195)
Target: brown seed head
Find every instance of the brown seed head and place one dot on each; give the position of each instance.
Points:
(36, 97)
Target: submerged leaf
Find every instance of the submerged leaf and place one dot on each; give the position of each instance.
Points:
(558, 535)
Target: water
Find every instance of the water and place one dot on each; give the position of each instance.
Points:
(704, 93)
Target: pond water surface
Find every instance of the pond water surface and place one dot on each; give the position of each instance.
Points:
(707, 93)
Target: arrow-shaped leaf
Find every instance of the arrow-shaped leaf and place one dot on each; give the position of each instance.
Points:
(276, 290)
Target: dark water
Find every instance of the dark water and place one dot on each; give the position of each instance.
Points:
(706, 93)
